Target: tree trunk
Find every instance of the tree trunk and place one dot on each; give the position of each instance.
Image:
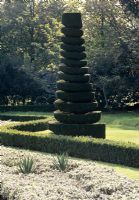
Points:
(105, 97)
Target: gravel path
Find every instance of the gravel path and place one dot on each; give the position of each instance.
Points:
(85, 180)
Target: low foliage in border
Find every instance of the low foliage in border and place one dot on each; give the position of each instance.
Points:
(81, 146)
(61, 162)
(26, 165)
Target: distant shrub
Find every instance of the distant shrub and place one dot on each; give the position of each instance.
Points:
(2, 101)
(41, 100)
(51, 99)
(17, 99)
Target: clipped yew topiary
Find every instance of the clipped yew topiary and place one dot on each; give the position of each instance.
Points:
(76, 112)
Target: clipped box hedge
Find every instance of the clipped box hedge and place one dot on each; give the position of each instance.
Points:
(93, 130)
(74, 78)
(73, 55)
(72, 48)
(75, 97)
(72, 70)
(20, 118)
(72, 40)
(32, 126)
(71, 118)
(68, 20)
(75, 107)
(74, 87)
(81, 146)
(74, 63)
(27, 108)
(72, 32)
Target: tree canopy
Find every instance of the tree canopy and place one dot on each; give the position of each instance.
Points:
(30, 47)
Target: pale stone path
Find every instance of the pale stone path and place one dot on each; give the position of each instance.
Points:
(85, 180)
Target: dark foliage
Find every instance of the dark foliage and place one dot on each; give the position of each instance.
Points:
(75, 100)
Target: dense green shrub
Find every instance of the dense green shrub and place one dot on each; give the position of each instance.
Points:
(82, 147)
(72, 32)
(73, 108)
(73, 55)
(73, 87)
(93, 130)
(71, 118)
(40, 100)
(75, 97)
(72, 70)
(72, 40)
(51, 99)
(74, 78)
(74, 63)
(72, 48)
(68, 20)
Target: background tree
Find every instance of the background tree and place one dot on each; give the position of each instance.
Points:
(111, 53)
(30, 39)
(131, 6)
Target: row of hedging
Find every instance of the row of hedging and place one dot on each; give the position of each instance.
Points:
(28, 108)
(20, 118)
(51, 108)
(32, 126)
(82, 147)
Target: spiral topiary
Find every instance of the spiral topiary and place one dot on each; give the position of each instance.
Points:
(76, 112)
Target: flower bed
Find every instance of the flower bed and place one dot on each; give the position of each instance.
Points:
(84, 180)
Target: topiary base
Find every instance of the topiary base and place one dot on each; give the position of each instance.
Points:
(94, 130)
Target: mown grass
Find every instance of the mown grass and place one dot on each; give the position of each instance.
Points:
(120, 127)
(130, 172)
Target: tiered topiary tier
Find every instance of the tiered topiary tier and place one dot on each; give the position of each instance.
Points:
(76, 106)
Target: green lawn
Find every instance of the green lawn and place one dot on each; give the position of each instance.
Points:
(130, 172)
(119, 127)
(122, 126)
